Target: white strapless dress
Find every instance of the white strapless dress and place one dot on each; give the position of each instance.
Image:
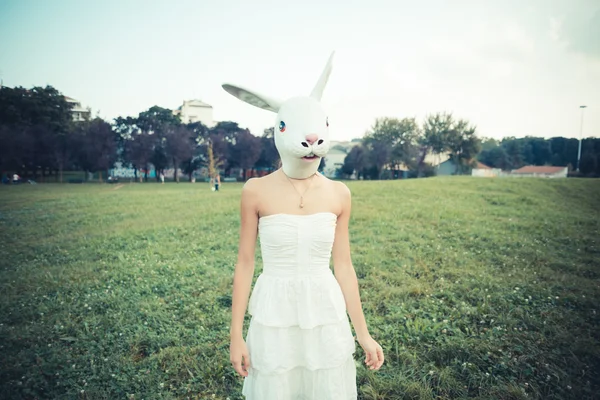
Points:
(300, 342)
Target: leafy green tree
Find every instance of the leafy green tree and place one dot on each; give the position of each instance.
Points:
(495, 157)
(37, 124)
(393, 142)
(589, 163)
(96, 146)
(463, 146)
(514, 151)
(245, 152)
(269, 156)
(355, 161)
(199, 135)
(434, 137)
(180, 146)
(402, 137)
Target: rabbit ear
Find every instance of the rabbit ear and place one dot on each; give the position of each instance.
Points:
(317, 92)
(250, 97)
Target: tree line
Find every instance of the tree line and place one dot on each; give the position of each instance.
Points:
(394, 145)
(513, 153)
(39, 138)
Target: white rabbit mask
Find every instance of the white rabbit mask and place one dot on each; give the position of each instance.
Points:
(301, 127)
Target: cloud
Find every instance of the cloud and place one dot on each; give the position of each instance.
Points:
(490, 50)
(578, 32)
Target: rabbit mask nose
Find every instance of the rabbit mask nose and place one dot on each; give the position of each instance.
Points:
(310, 140)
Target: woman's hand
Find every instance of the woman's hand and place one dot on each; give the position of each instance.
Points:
(239, 356)
(373, 352)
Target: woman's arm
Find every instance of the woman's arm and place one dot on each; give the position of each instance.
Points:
(242, 278)
(346, 277)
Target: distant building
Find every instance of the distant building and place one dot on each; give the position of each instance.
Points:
(77, 111)
(335, 157)
(541, 171)
(195, 111)
(483, 170)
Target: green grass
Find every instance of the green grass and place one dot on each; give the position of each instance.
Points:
(476, 288)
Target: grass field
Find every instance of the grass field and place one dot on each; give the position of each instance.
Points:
(476, 288)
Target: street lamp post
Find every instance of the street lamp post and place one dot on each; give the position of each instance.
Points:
(580, 137)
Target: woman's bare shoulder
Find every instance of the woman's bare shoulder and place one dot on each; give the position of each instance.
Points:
(258, 187)
(256, 184)
(340, 188)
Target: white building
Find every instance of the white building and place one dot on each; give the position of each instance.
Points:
(195, 111)
(483, 170)
(335, 157)
(77, 111)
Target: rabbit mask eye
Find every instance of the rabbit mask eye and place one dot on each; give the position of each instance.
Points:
(281, 126)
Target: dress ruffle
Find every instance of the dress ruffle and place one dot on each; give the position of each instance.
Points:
(276, 350)
(305, 301)
(338, 383)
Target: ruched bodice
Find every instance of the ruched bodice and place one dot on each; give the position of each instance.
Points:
(294, 245)
(299, 338)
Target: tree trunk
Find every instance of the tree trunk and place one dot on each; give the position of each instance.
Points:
(421, 161)
(100, 176)
(175, 170)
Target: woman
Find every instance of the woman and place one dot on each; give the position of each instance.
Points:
(299, 343)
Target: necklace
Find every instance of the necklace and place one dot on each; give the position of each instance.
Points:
(301, 205)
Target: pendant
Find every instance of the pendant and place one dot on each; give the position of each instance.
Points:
(301, 202)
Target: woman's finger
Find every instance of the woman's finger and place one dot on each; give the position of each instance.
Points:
(237, 365)
(380, 357)
(373, 363)
(246, 361)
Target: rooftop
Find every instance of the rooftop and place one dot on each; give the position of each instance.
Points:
(535, 169)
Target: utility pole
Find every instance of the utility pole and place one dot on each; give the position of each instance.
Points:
(580, 137)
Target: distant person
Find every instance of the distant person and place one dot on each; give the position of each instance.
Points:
(162, 178)
(217, 182)
(16, 178)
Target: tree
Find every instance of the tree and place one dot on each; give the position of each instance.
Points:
(489, 143)
(96, 146)
(463, 145)
(245, 152)
(139, 150)
(589, 163)
(392, 141)
(514, 151)
(224, 136)
(180, 146)
(41, 117)
(378, 155)
(269, 156)
(495, 157)
(214, 162)
(434, 137)
(157, 122)
(355, 161)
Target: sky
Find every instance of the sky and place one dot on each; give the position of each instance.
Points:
(510, 67)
